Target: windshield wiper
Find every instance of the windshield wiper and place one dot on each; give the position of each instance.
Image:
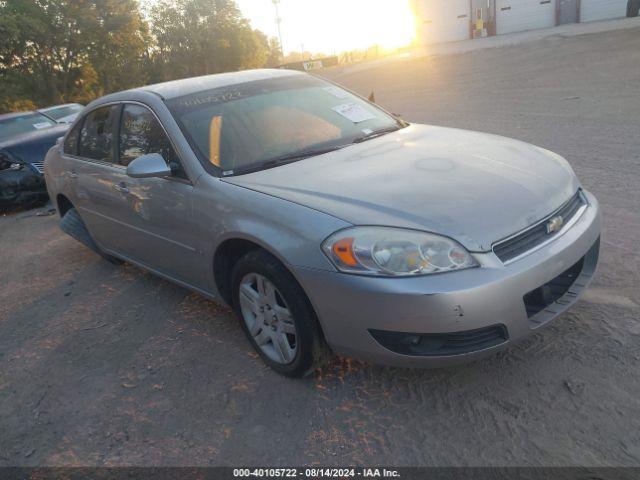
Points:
(302, 154)
(287, 159)
(377, 133)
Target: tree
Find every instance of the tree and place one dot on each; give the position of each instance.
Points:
(117, 55)
(53, 51)
(199, 37)
(272, 45)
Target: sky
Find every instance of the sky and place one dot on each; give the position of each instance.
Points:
(333, 26)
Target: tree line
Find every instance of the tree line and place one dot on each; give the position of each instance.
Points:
(58, 51)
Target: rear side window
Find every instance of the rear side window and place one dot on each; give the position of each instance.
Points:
(97, 134)
(140, 134)
(71, 141)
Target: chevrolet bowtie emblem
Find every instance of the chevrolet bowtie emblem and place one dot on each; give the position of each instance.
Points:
(554, 224)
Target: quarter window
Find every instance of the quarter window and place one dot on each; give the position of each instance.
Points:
(97, 134)
(140, 134)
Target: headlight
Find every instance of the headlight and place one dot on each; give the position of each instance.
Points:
(388, 251)
(7, 165)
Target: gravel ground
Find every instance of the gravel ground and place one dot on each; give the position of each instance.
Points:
(107, 365)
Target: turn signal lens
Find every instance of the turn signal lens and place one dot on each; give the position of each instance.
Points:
(387, 251)
(343, 250)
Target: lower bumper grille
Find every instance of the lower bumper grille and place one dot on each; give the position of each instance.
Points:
(557, 294)
(537, 300)
(441, 344)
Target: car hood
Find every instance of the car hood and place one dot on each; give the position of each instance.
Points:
(473, 187)
(33, 146)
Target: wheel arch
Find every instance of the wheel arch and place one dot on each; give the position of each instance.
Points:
(228, 252)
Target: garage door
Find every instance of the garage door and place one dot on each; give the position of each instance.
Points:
(442, 20)
(591, 10)
(519, 15)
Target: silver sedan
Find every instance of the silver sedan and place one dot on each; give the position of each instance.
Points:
(328, 224)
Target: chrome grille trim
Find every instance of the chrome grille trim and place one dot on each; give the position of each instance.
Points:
(39, 166)
(510, 249)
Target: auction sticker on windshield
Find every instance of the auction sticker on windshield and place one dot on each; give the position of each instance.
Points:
(353, 112)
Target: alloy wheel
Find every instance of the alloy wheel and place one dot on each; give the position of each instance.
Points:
(268, 318)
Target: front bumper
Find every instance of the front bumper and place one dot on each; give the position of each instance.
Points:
(21, 187)
(351, 307)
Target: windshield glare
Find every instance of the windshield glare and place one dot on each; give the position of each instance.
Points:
(24, 124)
(246, 126)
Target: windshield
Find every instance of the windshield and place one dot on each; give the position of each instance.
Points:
(254, 125)
(62, 112)
(24, 124)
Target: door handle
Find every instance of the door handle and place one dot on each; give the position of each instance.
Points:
(73, 175)
(121, 187)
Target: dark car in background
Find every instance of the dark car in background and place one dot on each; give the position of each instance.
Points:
(25, 138)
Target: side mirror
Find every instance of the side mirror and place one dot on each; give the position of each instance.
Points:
(148, 166)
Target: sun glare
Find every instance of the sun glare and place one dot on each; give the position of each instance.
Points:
(388, 23)
(334, 26)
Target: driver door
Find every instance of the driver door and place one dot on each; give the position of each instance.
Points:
(156, 213)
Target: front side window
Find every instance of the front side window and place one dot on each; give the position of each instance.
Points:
(22, 124)
(253, 125)
(71, 141)
(97, 134)
(140, 134)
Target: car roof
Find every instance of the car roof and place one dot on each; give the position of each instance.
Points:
(7, 116)
(186, 86)
(58, 106)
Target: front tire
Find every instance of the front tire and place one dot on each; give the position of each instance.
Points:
(276, 315)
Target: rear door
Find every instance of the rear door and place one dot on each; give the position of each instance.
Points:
(93, 172)
(520, 15)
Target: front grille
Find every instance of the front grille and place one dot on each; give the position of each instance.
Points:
(441, 344)
(39, 166)
(521, 243)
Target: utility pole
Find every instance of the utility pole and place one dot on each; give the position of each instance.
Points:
(278, 21)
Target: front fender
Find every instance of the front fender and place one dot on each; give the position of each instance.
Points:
(292, 233)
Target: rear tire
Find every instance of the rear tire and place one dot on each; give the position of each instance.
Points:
(306, 345)
(72, 225)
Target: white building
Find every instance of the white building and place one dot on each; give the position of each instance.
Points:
(452, 20)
